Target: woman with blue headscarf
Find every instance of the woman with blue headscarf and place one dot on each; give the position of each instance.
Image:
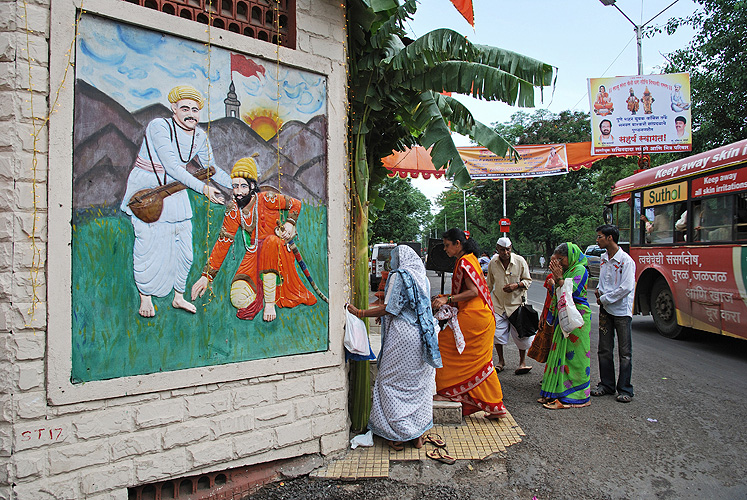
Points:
(567, 378)
(402, 408)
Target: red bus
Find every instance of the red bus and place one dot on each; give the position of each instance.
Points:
(685, 226)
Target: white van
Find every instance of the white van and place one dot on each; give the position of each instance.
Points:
(380, 256)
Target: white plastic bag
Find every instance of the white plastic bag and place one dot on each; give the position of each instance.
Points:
(569, 317)
(356, 338)
(362, 440)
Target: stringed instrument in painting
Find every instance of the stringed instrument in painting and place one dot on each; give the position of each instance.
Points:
(147, 204)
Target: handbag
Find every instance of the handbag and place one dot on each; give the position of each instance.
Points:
(540, 348)
(525, 319)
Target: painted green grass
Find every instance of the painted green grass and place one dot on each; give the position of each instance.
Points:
(110, 339)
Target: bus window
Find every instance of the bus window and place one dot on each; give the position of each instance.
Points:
(741, 229)
(717, 216)
(680, 227)
(659, 224)
(636, 233)
(622, 218)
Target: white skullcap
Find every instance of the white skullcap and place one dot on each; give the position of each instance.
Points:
(504, 242)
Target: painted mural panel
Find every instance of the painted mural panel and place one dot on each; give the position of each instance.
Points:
(199, 205)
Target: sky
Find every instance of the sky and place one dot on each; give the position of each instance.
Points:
(138, 67)
(582, 38)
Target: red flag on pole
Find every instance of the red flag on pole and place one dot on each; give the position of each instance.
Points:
(245, 66)
(465, 8)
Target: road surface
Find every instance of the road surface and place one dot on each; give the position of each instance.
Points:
(682, 436)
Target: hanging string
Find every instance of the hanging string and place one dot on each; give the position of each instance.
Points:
(38, 125)
(210, 5)
(277, 82)
(350, 272)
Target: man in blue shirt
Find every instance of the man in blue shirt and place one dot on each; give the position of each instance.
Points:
(615, 293)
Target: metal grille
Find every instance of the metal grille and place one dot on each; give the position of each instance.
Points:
(261, 19)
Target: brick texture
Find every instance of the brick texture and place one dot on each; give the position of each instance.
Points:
(97, 449)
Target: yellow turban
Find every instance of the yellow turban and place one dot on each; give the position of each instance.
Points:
(185, 92)
(245, 167)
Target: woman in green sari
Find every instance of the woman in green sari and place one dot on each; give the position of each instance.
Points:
(567, 377)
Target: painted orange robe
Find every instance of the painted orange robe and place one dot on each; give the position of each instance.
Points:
(470, 377)
(265, 252)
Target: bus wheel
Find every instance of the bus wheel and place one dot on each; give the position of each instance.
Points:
(663, 311)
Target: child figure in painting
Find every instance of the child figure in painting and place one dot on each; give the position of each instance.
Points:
(267, 274)
(162, 254)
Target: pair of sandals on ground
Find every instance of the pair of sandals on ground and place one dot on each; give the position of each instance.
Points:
(439, 453)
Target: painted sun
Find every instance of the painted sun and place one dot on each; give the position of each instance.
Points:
(263, 121)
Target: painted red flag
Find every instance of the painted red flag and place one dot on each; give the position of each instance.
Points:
(465, 8)
(245, 66)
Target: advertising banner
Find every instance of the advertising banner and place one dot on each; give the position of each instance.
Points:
(648, 113)
(720, 183)
(536, 161)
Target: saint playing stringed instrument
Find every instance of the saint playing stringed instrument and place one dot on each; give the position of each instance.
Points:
(162, 253)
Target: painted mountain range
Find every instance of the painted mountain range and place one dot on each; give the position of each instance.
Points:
(107, 137)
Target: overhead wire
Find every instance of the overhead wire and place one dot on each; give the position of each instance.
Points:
(605, 71)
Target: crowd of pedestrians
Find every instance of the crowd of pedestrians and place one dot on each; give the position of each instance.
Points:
(421, 361)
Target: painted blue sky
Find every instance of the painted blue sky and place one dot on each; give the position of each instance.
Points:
(138, 67)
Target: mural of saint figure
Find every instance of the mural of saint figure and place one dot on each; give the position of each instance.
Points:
(162, 253)
(267, 274)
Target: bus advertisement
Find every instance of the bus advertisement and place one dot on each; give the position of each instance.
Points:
(685, 226)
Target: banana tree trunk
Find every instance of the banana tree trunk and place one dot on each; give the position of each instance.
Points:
(361, 375)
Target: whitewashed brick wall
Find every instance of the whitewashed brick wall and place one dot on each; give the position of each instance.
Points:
(96, 449)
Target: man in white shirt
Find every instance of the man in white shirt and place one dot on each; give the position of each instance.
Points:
(508, 281)
(615, 293)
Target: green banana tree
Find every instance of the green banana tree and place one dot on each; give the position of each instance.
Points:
(396, 101)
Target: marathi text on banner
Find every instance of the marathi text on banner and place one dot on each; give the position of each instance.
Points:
(536, 161)
(634, 113)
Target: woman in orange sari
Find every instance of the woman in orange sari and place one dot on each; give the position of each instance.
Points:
(468, 375)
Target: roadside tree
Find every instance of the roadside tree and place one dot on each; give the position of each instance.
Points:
(718, 81)
(395, 98)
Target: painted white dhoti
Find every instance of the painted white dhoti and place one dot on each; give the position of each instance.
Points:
(161, 256)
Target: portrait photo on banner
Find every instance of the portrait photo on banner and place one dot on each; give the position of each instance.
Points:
(199, 195)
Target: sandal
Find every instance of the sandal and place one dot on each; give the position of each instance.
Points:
(624, 398)
(600, 391)
(434, 439)
(556, 405)
(396, 445)
(441, 455)
(542, 400)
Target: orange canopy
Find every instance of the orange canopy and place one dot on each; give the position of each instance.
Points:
(413, 163)
(417, 161)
